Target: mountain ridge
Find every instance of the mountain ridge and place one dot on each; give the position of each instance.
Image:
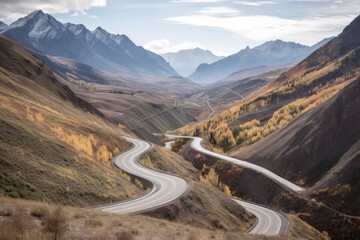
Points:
(113, 53)
(276, 52)
(187, 60)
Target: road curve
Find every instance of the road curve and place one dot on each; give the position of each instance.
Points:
(166, 188)
(269, 222)
(196, 145)
(212, 110)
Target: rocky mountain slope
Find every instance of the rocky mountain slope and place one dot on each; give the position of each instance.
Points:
(100, 49)
(271, 53)
(3, 25)
(304, 126)
(320, 149)
(48, 132)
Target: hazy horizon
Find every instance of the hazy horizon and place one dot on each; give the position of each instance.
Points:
(223, 27)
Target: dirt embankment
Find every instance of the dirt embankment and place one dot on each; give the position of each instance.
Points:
(319, 149)
(201, 206)
(250, 185)
(54, 146)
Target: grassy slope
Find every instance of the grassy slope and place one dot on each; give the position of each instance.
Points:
(202, 205)
(89, 224)
(54, 146)
(242, 183)
(142, 105)
(313, 81)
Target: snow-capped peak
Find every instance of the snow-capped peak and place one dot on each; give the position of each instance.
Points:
(76, 29)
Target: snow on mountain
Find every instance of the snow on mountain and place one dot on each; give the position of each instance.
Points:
(100, 49)
(270, 53)
(186, 61)
(43, 32)
(3, 26)
(142, 58)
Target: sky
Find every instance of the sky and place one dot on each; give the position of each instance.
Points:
(222, 26)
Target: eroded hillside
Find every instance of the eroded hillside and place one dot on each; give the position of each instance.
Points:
(54, 145)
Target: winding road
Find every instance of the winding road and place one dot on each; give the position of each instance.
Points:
(241, 97)
(269, 222)
(211, 109)
(166, 187)
(196, 145)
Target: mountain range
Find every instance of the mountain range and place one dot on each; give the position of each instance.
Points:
(113, 53)
(270, 53)
(3, 25)
(186, 61)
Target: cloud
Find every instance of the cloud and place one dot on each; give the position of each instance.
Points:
(218, 11)
(20, 8)
(264, 27)
(163, 46)
(255, 4)
(197, 1)
(79, 13)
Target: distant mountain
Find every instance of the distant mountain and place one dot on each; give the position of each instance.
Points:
(321, 43)
(3, 26)
(186, 61)
(100, 49)
(270, 53)
(140, 57)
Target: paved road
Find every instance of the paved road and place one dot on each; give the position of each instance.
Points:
(196, 145)
(166, 188)
(168, 144)
(269, 222)
(212, 110)
(234, 92)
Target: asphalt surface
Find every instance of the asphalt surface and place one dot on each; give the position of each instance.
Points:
(166, 188)
(196, 145)
(269, 222)
(212, 110)
(168, 144)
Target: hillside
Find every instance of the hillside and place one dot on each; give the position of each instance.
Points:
(272, 53)
(222, 96)
(303, 126)
(48, 131)
(295, 92)
(319, 149)
(113, 53)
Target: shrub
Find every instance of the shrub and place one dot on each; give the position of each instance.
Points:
(227, 191)
(5, 212)
(210, 179)
(147, 162)
(124, 176)
(93, 223)
(103, 154)
(55, 222)
(138, 184)
(125, 235)
(39, 211)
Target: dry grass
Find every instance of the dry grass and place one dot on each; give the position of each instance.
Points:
(45, 130)
(211, 178)
(91, 224)
(94, 224)
(303, 88)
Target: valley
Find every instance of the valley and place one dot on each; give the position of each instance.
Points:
(116, 141)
